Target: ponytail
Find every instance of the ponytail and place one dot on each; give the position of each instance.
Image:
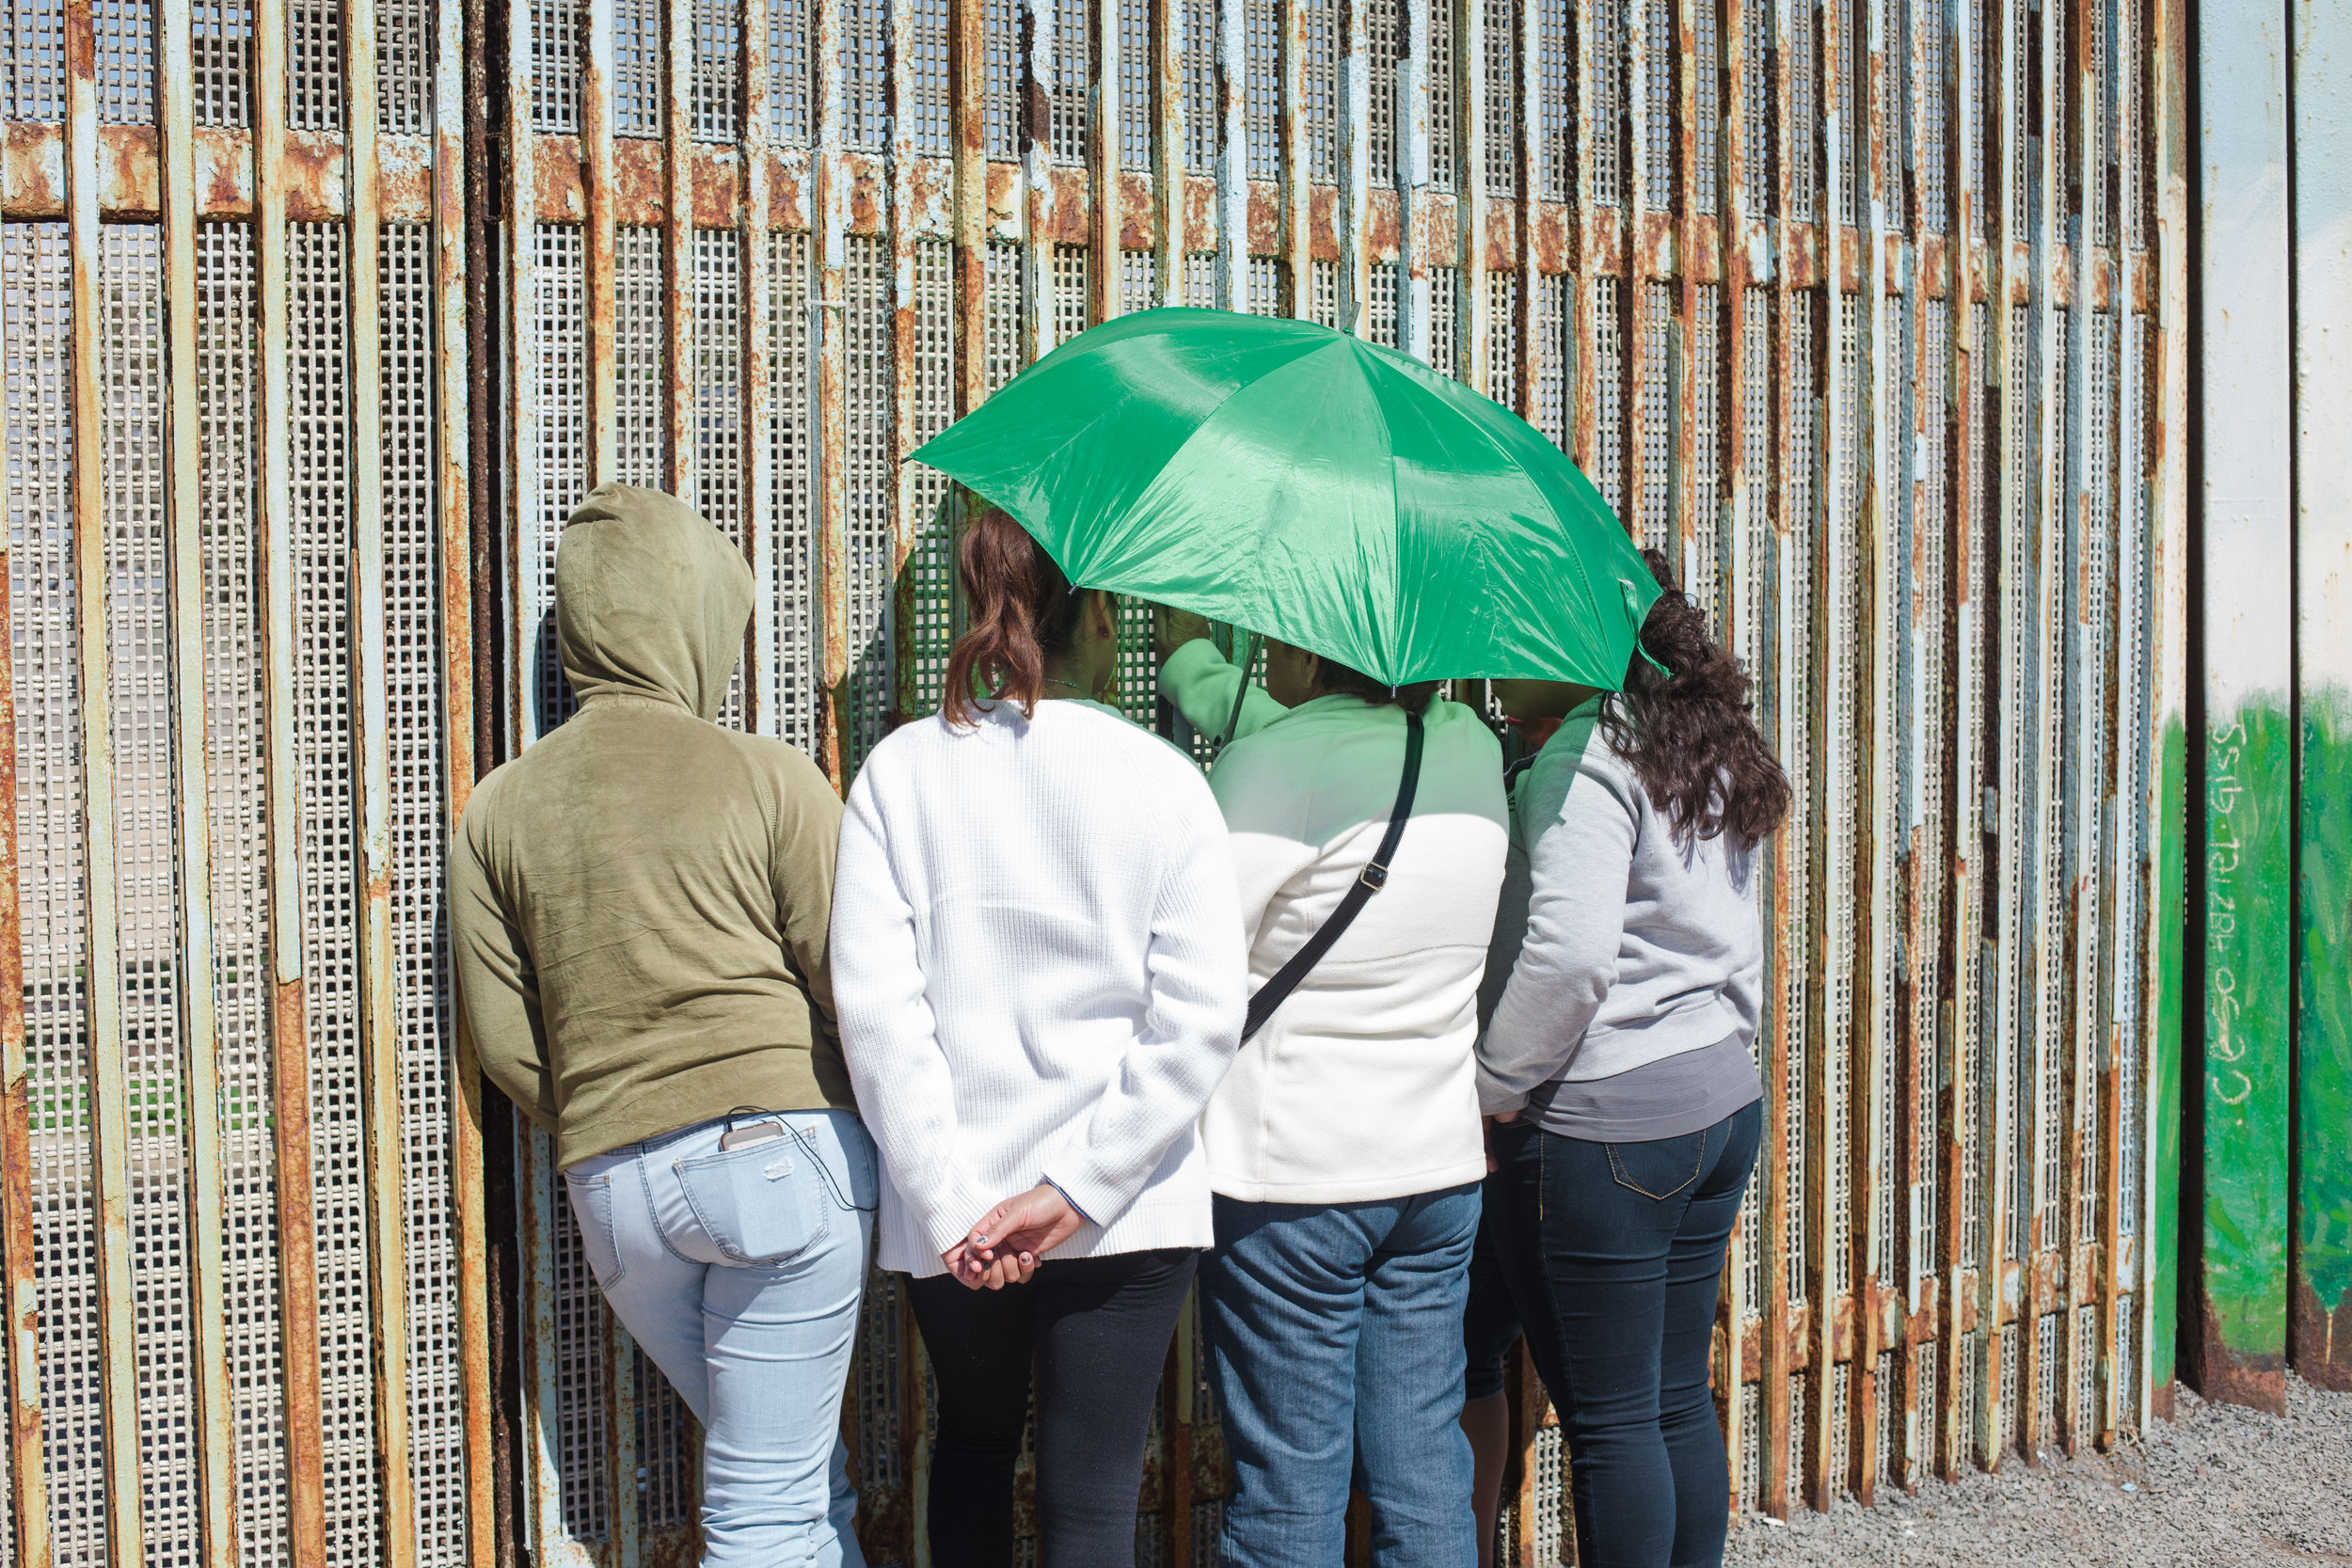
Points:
(1686, 733)
(1021, 610)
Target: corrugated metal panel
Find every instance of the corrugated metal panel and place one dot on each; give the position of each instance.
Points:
(1874, 333)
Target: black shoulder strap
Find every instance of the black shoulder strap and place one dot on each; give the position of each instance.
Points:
(1373, 877)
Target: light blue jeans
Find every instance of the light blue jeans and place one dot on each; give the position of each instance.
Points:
(739, 1272)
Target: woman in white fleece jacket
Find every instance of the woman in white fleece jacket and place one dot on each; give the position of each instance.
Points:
(1038, 970)
(1345, 1145)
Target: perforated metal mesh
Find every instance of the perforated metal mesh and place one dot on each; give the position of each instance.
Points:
(867, 354)
(130, 354)
(1318, 109)
(412, 674)
(221, 45)
(1799, 752)
(1932, 185)
(639, 79)
(32, 73)
(1606, 470)
(1198, 71)
(2046, 1379)
(1553, 119)
(1383, 44)
(1759, 125)
(931, 563)
(1658, 115)
(1552, 334)
(314, 65)
(1927, 1366)
(865, 68)
(1200, 279)
(1324, 281)
(2008, 1421)
(1138, 73)
(1606, 102)
(235, 750)
(403, 66)
(718, 53)
(1266, 286)
(1802, 147)
(122, 41)
(35, 338)
(1703, 556)
(1655, 416)
(555, 54)
(788, 85)
(1261, 86)
(1850, 107)
(641, 357)
(559, 472)
(1930, 716)
(1445, 289)
(793, 657)
(1442, 78)
(1844, 888)
(1138, 279)
(1501, 39)
(1502, 337)
(1001, 73)
(717, 332)
(1841, 1429)
(1707, 112)
(1002, 317)
(1066, 82)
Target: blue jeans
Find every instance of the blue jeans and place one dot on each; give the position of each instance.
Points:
(1612, 1252)
(739, 1272)
(1337, 1350)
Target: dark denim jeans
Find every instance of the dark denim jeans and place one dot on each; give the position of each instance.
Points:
(1337, 1349)
(1614, 1252)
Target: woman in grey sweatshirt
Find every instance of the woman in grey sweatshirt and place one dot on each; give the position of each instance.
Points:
(1617, 1061)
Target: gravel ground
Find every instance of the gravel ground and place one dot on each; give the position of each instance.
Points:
(2219, 1485)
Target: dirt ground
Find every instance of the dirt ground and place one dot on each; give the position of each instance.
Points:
(2218, 1486)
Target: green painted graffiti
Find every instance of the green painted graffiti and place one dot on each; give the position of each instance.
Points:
(2249, 756)
(2324, 1046)
(2164, 1062)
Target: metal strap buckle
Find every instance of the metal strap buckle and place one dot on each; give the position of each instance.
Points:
(1374, 876)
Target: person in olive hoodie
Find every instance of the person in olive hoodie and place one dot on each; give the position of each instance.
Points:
(638, 908)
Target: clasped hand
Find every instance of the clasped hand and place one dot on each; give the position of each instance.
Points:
(1004, 1246)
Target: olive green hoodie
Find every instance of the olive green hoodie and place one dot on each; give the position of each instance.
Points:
(638, 903)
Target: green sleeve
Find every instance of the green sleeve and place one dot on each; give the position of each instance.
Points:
(497, 988)
(1201, 682)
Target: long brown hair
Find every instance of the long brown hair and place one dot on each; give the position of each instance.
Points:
(1338, 677)
(1021, 609)
(1687, 731)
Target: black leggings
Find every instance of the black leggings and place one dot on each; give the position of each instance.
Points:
(1099, 1329)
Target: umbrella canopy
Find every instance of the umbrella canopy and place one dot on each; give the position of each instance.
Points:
(1279, 476)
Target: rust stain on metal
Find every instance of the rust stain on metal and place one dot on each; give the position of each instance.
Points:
(1264, 222)
(1199, 214)
(130, 173)
(404, 191)
(640, 184)
(33, 186)
(1138, 212)
(717, 186)
(1323, 222)
(224, 173)
(313, 169)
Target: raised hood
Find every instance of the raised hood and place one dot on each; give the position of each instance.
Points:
(650, 600)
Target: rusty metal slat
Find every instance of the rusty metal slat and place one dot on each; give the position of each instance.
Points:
(1880, 515)
(967, 82)
(1526, 159)
(1167, 192)
(833, 182)
(523, 479)
(379, 1032)
(905, 526)
(1469, 186)
(1033, 198)
(1352, 210)
(1296, 185)
(109, 1110)
(626, 1548)
(1412, 140)
(763, 701)
(452, 495)
(290, 1064)
(677, 121)
(20, 1352)
(537, 1184)
(1583, 330)
(1103, 161)
(599, 203)
(1233, 160)
(199, 1017)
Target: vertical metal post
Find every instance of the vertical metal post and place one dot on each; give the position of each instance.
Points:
(763, 690)
(829, 215)
(1414, 201)
(1233, 159)
(677, 316)
(597, 237)
(1353, 214)
(1470, 194)
(109, 1108)
(199, 1020)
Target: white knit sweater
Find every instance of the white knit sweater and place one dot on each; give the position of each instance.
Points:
(1361, 1086)
(1039, 973)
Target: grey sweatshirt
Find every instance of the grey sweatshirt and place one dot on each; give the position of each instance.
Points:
(1615, 945)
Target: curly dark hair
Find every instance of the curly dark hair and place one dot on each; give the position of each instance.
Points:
(1687, 731)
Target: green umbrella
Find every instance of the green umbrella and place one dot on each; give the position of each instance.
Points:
(1277, 475)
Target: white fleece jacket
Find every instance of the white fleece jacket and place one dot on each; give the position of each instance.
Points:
(1362, 1086)
(1038, 970)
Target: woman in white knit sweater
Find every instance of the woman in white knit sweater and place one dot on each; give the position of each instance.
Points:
(1345, 1145)
(1039, 973)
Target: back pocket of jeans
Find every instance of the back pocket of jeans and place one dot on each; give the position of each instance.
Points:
(592, 1206)
(1659, 1168)
(758, 1204)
